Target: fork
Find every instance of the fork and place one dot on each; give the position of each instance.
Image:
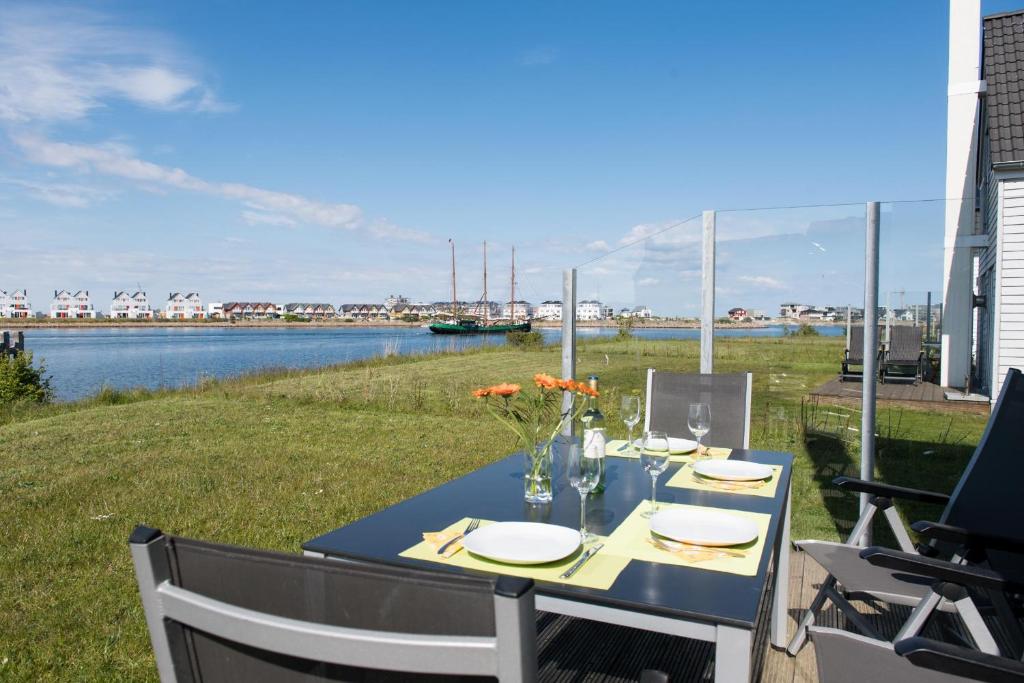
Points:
(473, 524)
(673, 546)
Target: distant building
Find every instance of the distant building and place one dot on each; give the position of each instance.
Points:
(793, 310)
(66, 305)
(589, 309)
(523, 310)
(15, 305)
(125, 306)
(738, 313)
(811, 314)
(640, 312)
(184, 306)
(400, 310)
(395, 300)
(248, 310)
(312, 311)
(607, 312)
(215, 309)
(481, 309)
(549, 310)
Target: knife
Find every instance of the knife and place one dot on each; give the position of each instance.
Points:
(580, 562)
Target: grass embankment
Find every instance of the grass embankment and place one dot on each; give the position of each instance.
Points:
(272, 460)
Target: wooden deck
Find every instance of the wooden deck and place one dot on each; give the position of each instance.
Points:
(899, 393)
(573, 650)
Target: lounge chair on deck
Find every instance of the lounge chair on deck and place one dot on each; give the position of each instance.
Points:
(669, 395)
(854, 356)
(845, 657)
(220, 613)
(982, 518)
(903, 360)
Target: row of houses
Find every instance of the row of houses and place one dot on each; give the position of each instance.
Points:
(15, 304)
(914, 313)
(589, 309)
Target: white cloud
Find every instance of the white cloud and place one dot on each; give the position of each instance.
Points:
(260, 218)
(61, 194)
(385, 229)
(762, 281)
(672, 232)
(598, 245)
(538, 56)
(61, 63)
(648, 282)
(117, 160)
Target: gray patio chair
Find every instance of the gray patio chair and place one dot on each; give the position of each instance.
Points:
(854, 356)
(845, 657)
(979, 524)
(220, 613)
(903, 360)
(669, 395)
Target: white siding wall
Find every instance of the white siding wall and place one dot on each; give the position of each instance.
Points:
(985, 325)
(1008, 332)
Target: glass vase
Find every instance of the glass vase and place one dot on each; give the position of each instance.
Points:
(537, 474)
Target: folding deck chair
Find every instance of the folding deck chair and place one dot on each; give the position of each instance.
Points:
(854, 356)
(669, 395)
(845, 657)
(980, 522)
(903, 360)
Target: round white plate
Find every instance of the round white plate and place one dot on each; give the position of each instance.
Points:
(522, 542)
(732, 470)
(675, 446)
(703, 527)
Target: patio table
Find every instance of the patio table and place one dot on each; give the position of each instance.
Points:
(686, 601)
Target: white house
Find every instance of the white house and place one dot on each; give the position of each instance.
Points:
(589, 309)
(184, 306)
(5, 302)
(523, 310)
(549, 310)
(793, 310)
(641, 312)
(16, 305)
(127, 306)
(983, 268)
(68, 305)
(215, 309)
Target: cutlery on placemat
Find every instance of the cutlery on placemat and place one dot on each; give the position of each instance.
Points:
(473, 524)
(580, 562)
(623, 447)
(726, 484)
(675, 546)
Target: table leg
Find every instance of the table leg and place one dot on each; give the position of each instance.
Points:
(780, 601)
(732, 654)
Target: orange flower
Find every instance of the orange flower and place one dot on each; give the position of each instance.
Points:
(567, 384)
(504, 389)
(481, 393)
(545, 381)
(585, 389)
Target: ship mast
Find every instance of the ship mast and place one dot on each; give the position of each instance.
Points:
(487, 305)
(512, 316)
(454, 299)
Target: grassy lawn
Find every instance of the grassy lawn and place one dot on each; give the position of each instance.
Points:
(272, 460)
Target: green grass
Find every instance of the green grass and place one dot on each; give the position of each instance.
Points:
(274, 459)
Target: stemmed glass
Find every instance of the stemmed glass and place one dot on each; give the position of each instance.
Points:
(699, 422)
(584, 473)
(630, 411)
(654, 458)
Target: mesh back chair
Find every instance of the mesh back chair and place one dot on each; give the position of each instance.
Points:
(904, 355)
(980, 524)
(220, 613)
(845, 657)
(854, 355)
(669, 395)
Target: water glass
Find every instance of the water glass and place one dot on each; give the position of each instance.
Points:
(584, 473)
(654, 457)
(630, 411)
(699, 422)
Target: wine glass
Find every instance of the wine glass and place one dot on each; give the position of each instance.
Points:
(584, 473)
(699, 422)
(630, 411)
(654, 459)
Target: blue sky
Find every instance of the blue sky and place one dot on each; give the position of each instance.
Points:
(327, 152)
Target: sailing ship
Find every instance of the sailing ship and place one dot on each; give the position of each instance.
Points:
(459, 323)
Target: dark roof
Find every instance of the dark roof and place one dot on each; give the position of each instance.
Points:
(1003, 71)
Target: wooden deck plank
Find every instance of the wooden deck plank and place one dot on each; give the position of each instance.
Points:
(896, 393)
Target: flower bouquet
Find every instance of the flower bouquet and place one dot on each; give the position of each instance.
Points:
(536, 419)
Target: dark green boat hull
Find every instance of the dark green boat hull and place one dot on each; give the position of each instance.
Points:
(470, 328)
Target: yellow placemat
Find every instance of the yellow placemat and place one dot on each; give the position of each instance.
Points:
(630, 540)
(619, 449)
(686, 478)
(600, 571)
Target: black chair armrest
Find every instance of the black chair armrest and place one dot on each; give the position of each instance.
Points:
(959, 661)
(889, 491)
(653, 676)
(966, 537)
(940, 570)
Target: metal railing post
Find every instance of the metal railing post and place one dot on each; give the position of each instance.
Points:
(568, 340)
(707, 315)
(867, 420)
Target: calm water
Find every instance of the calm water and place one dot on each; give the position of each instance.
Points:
(81, 361)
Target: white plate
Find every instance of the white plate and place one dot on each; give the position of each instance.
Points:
(522, 542)
(703, 527)
(675, 446)
(732, 470)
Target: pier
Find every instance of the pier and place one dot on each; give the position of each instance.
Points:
(13, 342)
